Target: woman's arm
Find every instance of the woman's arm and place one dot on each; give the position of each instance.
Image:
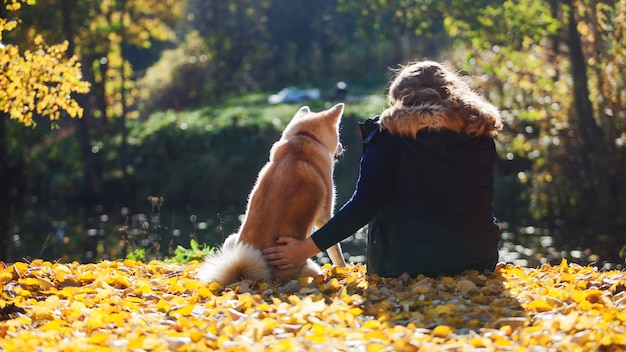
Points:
(376, 177)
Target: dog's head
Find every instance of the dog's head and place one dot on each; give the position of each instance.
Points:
(322, 127)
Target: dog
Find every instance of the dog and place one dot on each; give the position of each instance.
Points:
(294, 192)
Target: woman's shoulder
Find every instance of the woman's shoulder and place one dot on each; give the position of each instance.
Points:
(380, 136)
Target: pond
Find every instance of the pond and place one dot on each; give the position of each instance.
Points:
(524, 246)
(65, 237)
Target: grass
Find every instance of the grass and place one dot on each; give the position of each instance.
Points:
(248, 110)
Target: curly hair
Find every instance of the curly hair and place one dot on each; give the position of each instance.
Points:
(427, 95)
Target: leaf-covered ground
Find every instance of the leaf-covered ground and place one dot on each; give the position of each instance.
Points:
(132, 306)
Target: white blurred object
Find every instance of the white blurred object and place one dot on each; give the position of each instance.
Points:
(294, 95)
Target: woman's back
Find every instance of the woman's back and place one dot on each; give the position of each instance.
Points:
(438, 214)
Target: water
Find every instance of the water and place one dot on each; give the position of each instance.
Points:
(115, 234)
(526, 246)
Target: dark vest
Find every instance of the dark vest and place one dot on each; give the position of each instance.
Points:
(438, 218)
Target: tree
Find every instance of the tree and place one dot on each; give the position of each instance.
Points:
(111, 39)
(556, 69)
(34, 83)
(115, 27)
(38, 81)
(414, 27)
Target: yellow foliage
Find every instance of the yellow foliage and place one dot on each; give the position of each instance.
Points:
(158, 306)
(39, 81)
(442, 331)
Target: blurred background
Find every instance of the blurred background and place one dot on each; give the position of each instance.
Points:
(181, 101)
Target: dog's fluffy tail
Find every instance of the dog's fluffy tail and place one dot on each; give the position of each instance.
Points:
(232, 263)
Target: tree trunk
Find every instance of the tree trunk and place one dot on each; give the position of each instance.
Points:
(93, 184)
(123, 151)
(594, 150)
(5, 190)
(11, 187)
(68, 30)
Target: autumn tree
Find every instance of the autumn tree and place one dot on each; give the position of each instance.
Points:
(556, 69)
(414, 27)
(34, 83)
(109, 38)
(113, 29)
(283, 43)
(39, 81)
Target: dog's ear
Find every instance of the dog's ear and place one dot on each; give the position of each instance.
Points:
(303, 111)
(335, 113)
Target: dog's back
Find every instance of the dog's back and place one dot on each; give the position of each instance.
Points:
(294, 191)
(287, 199)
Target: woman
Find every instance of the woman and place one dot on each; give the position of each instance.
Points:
(425, 184)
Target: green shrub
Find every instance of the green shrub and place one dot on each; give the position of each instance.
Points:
(195, 252)
(138, 255)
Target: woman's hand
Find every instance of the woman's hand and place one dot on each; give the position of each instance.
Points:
(290, 252)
